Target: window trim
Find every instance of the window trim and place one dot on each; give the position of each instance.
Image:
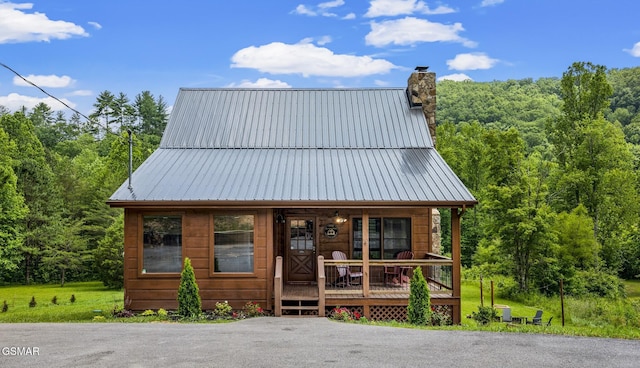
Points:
(212, 259)
(140, 257)
(382, 218)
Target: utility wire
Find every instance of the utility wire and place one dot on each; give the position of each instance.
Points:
(45, 92)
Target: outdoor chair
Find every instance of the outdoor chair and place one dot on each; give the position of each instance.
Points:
(537, 319)
(396, 274)
(345, 276)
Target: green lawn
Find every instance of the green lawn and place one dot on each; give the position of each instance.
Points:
(91, 299)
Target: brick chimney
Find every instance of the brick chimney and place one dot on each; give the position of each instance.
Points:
(421, 90)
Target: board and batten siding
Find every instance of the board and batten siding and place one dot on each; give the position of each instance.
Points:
(149, 291)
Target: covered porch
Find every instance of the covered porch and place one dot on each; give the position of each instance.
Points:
(376, 288)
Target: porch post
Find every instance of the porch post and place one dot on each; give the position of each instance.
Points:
(455, 256)
(365, 253)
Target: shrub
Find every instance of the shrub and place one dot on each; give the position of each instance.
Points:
(73, 298)
(484, 315)
(5, 307)
(33, 302)
(189, 304)
(252, 309)
(223, 309)
(54, 300)
(345, 314)
(162, 312)
(418, 310)
(148, 313)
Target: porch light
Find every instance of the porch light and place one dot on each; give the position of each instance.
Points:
(338, 219)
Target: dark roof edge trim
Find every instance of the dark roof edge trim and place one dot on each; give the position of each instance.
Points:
(286, 204)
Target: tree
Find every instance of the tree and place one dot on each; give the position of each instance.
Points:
(595, 163)
(13, 211)
(37, 185)
(189, 304)
(66, 250)
(152, 113)
(419, 307)
(109, 255)
(519, 219)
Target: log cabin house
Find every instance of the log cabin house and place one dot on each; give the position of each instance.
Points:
(259, 188)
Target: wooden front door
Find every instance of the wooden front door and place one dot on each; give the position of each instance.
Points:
(301, 249)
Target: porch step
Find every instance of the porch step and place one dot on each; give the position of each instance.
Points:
(300, 307)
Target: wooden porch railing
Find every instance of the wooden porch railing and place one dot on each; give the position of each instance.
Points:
(277, 287)
(437, 271)
(321, 286)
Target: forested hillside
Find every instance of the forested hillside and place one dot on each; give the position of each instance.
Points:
(553, 163)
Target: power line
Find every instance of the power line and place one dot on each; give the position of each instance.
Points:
(45, 92)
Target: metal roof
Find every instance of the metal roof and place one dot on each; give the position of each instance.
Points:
(295, 118)
(294, 146)
(401, 176)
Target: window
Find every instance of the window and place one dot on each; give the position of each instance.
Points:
(233, 243)
(162, 244)
(387, 237)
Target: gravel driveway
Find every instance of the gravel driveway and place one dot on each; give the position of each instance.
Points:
(296, 342)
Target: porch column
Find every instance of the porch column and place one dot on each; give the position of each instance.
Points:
(365, 253)
(455, 256)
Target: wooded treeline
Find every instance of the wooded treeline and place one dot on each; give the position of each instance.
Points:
(554, 165)
(553, 162)
(56, 175)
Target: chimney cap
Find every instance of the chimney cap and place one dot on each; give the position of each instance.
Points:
(422, 68)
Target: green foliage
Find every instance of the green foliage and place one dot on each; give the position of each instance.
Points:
(223, 309)
(345, 314)
(484, 315)
(109, 255)
(162, 312)
(189, 304)
(419, 308)
(600, 312)
(595, 283)
(148, 313)
(252, 309)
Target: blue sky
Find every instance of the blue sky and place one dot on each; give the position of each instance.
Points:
(75, 49)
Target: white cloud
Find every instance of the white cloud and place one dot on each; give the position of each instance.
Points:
(303, 10)
(491, 2)
(635, 50)
(472, 61)
(410, 30)
(457, 77)
(307, 59)
(261, 83)
(380, 83)
(349, 16)
(17, 26)
(50, 81)
(95, 25)
(321, 9)
(324, 40)
(80, 92)
(15, 102)
(331, 4)
(387, 8)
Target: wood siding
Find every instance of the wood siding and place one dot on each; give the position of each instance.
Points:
(149, 291)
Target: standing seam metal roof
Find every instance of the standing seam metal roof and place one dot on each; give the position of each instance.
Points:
(286, 145)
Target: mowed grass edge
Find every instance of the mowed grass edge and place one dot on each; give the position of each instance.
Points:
(91, 299)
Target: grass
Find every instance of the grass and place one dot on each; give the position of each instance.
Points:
(92, 299)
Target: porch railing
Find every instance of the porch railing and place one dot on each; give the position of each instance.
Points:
(387, 276)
